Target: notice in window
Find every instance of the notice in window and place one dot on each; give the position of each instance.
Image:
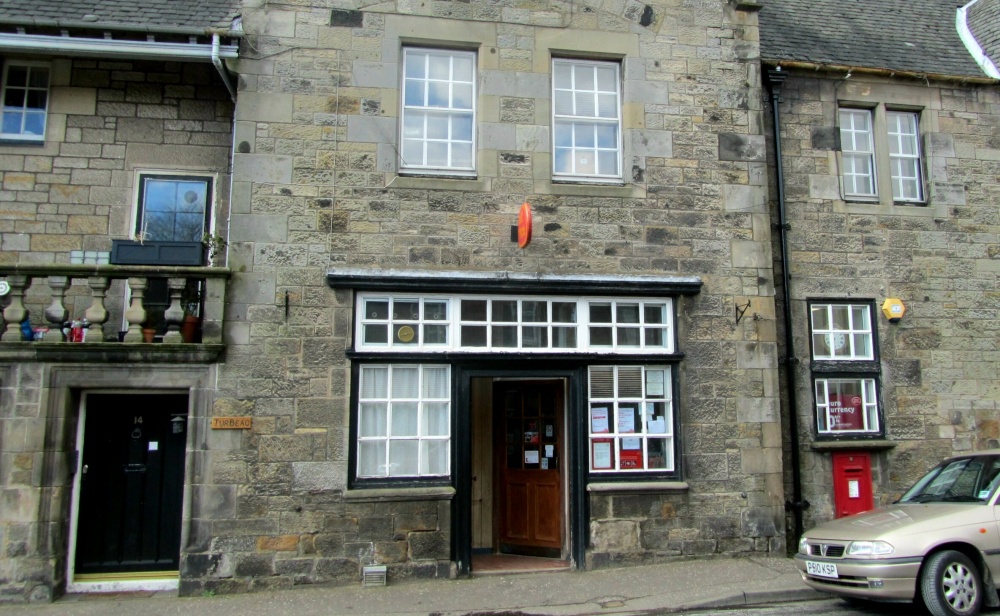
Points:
(626, 421)
(601, 452)
(631, 443)
(550, 451)
(599, 420)
(654, 383)
(531, 456)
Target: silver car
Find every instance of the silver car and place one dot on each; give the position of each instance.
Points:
(940, 543)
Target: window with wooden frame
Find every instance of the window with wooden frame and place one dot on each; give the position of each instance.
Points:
(25, 101)
(586, 120)
(876, 143)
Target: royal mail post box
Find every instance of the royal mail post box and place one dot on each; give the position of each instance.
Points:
(852, 483)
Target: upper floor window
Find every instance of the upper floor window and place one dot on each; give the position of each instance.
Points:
(438, 116)
(842, 331)
(586, 120)
(173, 208)
(476, 323)
(25, 101)
(862, 139)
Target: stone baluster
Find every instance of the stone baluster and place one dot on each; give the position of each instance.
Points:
(56, 313)
(15, 312)
(96, 314)
(174, 314)
(135, 315)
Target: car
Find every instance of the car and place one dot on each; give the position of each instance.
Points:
(939, 543)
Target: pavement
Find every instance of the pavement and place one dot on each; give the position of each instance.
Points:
(667, 588)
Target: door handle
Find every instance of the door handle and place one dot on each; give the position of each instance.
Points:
(474, 478)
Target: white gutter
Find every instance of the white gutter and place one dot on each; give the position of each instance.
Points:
(971, 44)
(110, 48)
(219, 66)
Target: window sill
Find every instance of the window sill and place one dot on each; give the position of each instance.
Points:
(38, 143)
(438, 182)
(638, 486)
(388, 495)
(871, 445)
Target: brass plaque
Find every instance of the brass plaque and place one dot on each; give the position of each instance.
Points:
(232, 423)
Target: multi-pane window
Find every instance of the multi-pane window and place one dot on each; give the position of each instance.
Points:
(842, 331)
(404, 421)
(844, 368)
(859, 152)
(173, 208)
(476, 323)
(861, 139)
(904, 155)
(586, 122)
(846, 405)
(438, 115)
(25, 101)
(631, 419)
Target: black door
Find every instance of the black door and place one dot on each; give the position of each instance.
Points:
(131, 483)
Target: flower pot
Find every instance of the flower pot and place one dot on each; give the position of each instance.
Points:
(148, 334)
(191, 328)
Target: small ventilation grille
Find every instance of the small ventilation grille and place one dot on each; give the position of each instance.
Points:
(373, 575)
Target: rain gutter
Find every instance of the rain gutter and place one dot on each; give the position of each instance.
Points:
(111, 48)
(882, 72)
(971, 44)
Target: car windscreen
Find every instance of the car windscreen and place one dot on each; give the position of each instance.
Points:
(962, 480)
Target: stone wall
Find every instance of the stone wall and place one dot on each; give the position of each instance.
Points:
(315, 186)
(939, 363)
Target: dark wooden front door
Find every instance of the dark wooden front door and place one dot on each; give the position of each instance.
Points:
(131, 483)
(529, 460)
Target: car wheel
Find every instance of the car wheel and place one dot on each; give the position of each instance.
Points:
(950, 585)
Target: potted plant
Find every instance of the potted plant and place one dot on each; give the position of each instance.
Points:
(191, 301)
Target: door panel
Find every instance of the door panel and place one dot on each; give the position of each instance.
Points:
(529, 450)
(131, 483)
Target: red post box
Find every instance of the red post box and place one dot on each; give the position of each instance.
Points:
(852, 483)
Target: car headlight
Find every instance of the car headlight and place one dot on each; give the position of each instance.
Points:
(869, 548)
(803, 546)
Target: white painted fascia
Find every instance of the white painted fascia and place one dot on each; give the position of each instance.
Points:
(971, 44)
(110, 48)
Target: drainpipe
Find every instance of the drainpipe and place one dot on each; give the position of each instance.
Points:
(222, 69)
(775, 78)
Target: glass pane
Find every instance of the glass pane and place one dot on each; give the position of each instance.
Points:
(34, 124)
(439, 66)
(628, 313)
(461, 96)
(435, 419)
(11, 123)
(606, 81)
(628, 336)
(607, 163)
(413, 125)
(564, 135)
(562, 75)
(405, 334)
(860, 316)
(655, 337)
(584, 136)
(602, 382)
(413, 93)
(17, 76)
(820, 320)
(435, 334)
(505, 310)
(563, 162)
(437, 127)
(404, 419)
(438, 94)
(534, 311)
(820, 346)
(435, 311)
(13, 98)
(408, 310)
(534, 337)
(564, 312)
(564, 337)
(461, 127)
(600, 336)
(377, 309)
(436, 381)
(415, 62)
(39, 78)
(376, 334)
(437, 154)
(413, 152)
(655, 313)
(656, 419)
(404, 382)
(656, 383)
(585, 77)
(600, 313)
(473, 335)
(435, 456)
(862, 345)
(505, 336)
(36, 99)
(841, 318)
(630, 382)
(473, 310)
(462, 68)
(403, 458)
(657, 454)
(607, 105)
(461, 154)
(373, 419)
(371, 459)
(374, 382)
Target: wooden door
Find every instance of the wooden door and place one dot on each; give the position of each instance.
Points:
(131, 483)
(529, 461)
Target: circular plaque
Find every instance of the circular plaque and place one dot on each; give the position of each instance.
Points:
(405, 334)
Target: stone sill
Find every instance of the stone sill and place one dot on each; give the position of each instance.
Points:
(841, 445)
(389, 495)
(110, 352)
(639, 486)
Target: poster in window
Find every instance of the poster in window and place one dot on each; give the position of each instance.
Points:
(846, 412)
(626, 421)
(531, 456)
(631, 458)
(654, 383)
(601, 455)
(599, 420)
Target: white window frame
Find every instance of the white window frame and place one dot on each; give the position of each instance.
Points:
(455, 322)
(421, 438)
(579, 121)
(857, 339)
(24, 109)
(425, 111)
(858, 183)
(903, 131)
(827, 417)
(611, 432)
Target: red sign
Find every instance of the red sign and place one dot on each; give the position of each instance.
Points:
(524, 226)
(846, 413)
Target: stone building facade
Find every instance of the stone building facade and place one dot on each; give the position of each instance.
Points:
(889, 158)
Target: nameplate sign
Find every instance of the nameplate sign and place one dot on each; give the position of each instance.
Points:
(232, 423)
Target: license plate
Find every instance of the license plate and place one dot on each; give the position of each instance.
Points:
(827, 570)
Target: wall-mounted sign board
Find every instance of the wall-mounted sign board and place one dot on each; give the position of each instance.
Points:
(232, 423)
